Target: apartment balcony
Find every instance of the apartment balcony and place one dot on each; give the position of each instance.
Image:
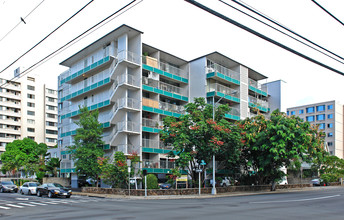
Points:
(164, 69)
(73, 113)
(167, 164)
(160, 107)
(222, 73)
(127, 104)
(258, 103)
(216, 89)
(233, 113)
(153, 166)
(165, 89)
(11, 95)
(257, 87)
(87, 71)
(131, 58)
(10, 122)
(153, 146)
(125, 80)
(11, 113)
(128, 149)
(86, 89)
(150, 125)
(11, 131)
(12, 104)
(13, 86)
(128, 127)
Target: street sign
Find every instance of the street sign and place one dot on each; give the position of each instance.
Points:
(198, 170)
(203, 163)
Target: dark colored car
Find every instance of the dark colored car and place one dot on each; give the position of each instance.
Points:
(53, 190)
(318, 182)
(165, 186)
(8, 186)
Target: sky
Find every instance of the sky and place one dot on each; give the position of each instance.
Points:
(188, 32)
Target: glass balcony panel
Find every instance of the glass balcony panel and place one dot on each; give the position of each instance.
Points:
(223, 89)
(153, 62)
(214, 67)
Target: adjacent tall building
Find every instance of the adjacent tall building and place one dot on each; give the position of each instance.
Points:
(135, 85)
(330, 118)
(28, 109)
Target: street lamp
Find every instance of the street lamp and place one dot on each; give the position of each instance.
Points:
(213, 190)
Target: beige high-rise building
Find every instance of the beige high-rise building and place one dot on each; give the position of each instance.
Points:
(28, 109)
(330, 118)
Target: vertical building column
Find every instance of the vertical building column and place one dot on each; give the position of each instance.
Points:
(112, 49)
(244, 108)
(122, 46)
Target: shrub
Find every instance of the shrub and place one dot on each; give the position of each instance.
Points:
(152, 182)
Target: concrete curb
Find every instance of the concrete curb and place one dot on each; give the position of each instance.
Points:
(203, 196)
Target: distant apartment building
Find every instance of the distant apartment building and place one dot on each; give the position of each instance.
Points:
(330, 118)
(27, 109)
(135, 85)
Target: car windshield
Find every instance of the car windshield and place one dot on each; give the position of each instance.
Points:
(34, 184)
(7, 183)
(54, 185)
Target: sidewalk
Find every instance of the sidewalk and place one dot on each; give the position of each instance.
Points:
(196, 196)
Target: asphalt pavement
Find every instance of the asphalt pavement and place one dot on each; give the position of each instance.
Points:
(307, 203)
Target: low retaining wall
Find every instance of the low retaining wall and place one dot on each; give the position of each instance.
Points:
(190, 191)
(60, 180)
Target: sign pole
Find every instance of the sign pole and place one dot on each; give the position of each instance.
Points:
(199, 183)
(145, 186)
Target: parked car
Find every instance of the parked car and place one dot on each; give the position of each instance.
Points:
(8, 186)
(53, 190)
(29, 188)
(318, 182)
(165, 185)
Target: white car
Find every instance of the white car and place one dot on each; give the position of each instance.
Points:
(29, 188)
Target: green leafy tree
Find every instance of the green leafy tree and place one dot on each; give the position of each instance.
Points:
(25, 155)
(195, 136)
(52, 165)
(116, 174)
(331, 168)
(152, 182)
(88, 144)
(271, 144)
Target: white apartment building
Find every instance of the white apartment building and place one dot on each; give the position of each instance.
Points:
(330, 118)
(135, 85)
(27, 109)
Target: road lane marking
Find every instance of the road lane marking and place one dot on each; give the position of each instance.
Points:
(27, 204)
(51, 202)
(36, 203)
(296, 200)
(3, 207)
(16, 206)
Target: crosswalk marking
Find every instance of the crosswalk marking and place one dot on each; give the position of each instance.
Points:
(26, 204)
(16, 206)
(36, 203)
(3, 207)
(51, 202)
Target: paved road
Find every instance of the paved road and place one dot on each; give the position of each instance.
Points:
(322, 203)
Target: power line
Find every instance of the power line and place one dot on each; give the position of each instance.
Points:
(282, 26)
(281, 31)
(324, 9)
(21, 20)
(73, 40)
(47, 36)
(217, 14)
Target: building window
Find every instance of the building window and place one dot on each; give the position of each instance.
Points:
(292, 113)
(300, 111)
(32, 138)
(329, 107)
(30, 129)
(50, 107)
(329, 144)
(330, 125)
(51, 115)
(331, 152)
(320, 117)
(310, 110)
(31, 79)
(329, 116)
(50, 131)
(322, 126)
(49, 123)
(30, 104)
(330, 134)
(32, 88)
(30, 112)
(320, 108)
(51, 91)
(31, 96)
(60, 105)
(31, 121)
(51, 99)
(51, 140)
(287, 112)
(310, 118)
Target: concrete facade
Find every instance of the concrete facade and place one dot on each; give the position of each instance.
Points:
(330, 118)
(28, 109)
(135, 85)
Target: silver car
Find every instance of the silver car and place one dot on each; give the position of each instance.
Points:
(29, 188)
(8, 186)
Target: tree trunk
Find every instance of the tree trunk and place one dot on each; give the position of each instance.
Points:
(273, 185)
